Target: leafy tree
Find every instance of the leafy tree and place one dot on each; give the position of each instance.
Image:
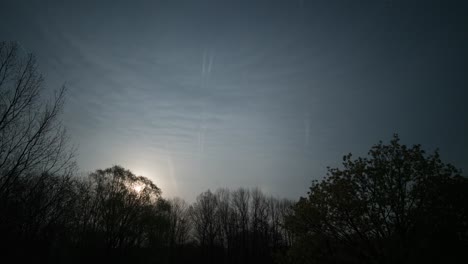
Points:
(399, 205)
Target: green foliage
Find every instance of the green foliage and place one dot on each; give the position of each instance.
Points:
(398, 205)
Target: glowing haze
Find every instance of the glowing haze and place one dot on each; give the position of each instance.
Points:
(207, 94)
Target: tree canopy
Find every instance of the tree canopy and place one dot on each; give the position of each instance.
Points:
(398, 205)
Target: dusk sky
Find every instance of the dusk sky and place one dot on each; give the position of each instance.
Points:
(197, 95)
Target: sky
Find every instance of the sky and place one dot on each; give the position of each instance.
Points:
(198, 95)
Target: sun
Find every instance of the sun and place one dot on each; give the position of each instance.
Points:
(138, 187)
(159, 171)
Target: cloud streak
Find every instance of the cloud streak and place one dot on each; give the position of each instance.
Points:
(248, 92)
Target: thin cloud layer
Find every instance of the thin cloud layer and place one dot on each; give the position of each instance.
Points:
(203, 94)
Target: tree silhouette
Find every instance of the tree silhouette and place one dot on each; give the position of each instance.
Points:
(122, 202)
(180, 221)
(116, 216)
(240, 226)
(36, 161)
(399, 205)
(32, 141)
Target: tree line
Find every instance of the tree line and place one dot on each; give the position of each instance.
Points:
(114, 215)
(397, 205)
(49, 214)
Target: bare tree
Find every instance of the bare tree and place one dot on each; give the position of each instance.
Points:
(241, 201)
(36, 159)
(32, 139)
(259, 212)
(204, 215)
(179, 221)
(225, 216)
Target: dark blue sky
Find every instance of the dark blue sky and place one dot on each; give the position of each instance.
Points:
(207, 94)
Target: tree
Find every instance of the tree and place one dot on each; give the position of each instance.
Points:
(32, 140)
(125, 207)
(204, 214)
(36, 159)
(398, 205)
(226, 221)
(179, 222)
(259, 224)
(241, 202)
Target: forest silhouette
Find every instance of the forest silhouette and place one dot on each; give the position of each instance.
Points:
(397, 205)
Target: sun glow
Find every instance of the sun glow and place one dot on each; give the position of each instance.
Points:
(138, 187)
(160, 171)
